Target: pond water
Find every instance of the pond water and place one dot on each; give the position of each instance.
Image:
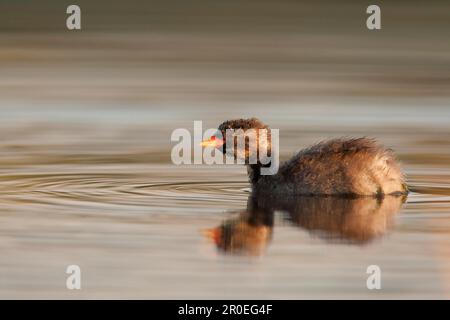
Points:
(94, 186)
(86, 177)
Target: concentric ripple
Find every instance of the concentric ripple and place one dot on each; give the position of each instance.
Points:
(150, 189)
(129, 189)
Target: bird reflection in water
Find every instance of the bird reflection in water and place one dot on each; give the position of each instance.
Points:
(335, 219)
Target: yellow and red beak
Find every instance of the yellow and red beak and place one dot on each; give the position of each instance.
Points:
(212, 142)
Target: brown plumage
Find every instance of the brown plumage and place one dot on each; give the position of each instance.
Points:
(350, 167)
(344, 166)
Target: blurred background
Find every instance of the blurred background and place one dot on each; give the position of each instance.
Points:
(160, 65)
(86, 118)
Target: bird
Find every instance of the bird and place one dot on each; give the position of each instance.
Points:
(349, 167)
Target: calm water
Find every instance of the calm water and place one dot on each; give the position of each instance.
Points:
(94, 186)
(85, 170)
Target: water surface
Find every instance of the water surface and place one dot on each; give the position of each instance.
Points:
(97, 189)
(85, 171)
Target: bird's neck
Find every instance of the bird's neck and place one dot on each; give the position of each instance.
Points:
(254, 172)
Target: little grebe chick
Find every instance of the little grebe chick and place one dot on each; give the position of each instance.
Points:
(346, 167)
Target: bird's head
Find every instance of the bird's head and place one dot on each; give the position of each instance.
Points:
(242, 139)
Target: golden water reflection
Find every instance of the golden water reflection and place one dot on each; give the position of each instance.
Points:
(335, 219)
